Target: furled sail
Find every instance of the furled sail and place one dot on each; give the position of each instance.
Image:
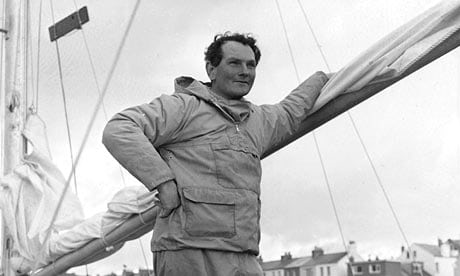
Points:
(392, 55)
(395, 56)
(34, 187)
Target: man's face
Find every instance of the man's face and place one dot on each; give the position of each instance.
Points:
(234, 76)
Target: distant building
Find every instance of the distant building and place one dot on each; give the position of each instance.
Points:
(145, 272)
(438, 260)
(375, 268)
(318, 264)
(127, 273)
(414, 269)
(276, 268)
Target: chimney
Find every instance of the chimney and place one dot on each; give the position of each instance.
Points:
(286, 257)
(351, 259)
(352, 248)
(318, 251)
(445, 250)
(402, 249)
(259, 259)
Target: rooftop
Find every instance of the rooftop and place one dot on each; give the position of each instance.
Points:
(299, 262)
(304, 261)
(432, 249)
(406, 270)
(274, 265)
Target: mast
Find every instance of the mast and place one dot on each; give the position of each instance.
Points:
(13, 97)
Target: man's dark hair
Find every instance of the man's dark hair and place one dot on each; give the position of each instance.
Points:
(214, 53)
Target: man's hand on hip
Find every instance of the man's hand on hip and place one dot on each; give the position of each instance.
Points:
(169, 198)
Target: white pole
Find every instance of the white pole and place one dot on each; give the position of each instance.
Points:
(13, 41)
(2, 124)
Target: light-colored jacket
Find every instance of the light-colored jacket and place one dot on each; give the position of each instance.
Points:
(211, 147)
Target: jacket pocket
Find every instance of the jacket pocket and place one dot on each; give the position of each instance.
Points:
(237, 167)
(209, 212)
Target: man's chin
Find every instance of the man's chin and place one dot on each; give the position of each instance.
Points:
(241, 93)
(236, 94)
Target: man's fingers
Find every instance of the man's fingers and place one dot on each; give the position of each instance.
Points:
(169, 198)
(165, 212)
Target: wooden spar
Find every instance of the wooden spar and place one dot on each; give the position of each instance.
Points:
(97, 249)
(346, 101)
(13, 91)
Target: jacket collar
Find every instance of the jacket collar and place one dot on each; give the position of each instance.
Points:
(237, 110)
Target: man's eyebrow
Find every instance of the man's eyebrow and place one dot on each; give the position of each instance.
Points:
(239, 59)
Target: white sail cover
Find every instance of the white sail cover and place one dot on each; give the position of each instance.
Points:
(30, 194)
(396, 52)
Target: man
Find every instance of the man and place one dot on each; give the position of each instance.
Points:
(200, 148)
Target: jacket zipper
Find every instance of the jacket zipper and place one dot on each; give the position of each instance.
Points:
(227, 115)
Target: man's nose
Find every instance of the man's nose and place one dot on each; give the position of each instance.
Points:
(244, 70)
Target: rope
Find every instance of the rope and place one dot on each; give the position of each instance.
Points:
(145, 257)
(380, 183)
(29, 48)
(35, 100)
(66, 114)
(96, 81)
(25, 53)
(357, 132)
(93, 71)
(141, 218)
(314, 36)
(93, 117)
(314, 135)
(16, 58)
(88, 52)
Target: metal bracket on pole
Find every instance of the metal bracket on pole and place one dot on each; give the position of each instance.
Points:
(69, 24)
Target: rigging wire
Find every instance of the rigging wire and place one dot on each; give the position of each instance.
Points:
(26, 49)
(313, 132)
(66, 114)
(16, 57)
(145, 257)
(379, 181)
(104, 111)
(30, 73)
(37, 79)
(96, 81)
(91, 123)
(90, 58)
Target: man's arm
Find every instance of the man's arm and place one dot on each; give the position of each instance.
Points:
(133, 135)
(281, 120)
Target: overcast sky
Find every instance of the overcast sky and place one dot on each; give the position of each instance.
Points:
(411, 130)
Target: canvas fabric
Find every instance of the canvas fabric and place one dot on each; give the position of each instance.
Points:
(30, 194)
(392, 55)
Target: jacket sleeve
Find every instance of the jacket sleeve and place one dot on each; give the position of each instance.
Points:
(134, 135)
(281, 120)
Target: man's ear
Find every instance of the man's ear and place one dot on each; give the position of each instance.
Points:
(211, 70)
